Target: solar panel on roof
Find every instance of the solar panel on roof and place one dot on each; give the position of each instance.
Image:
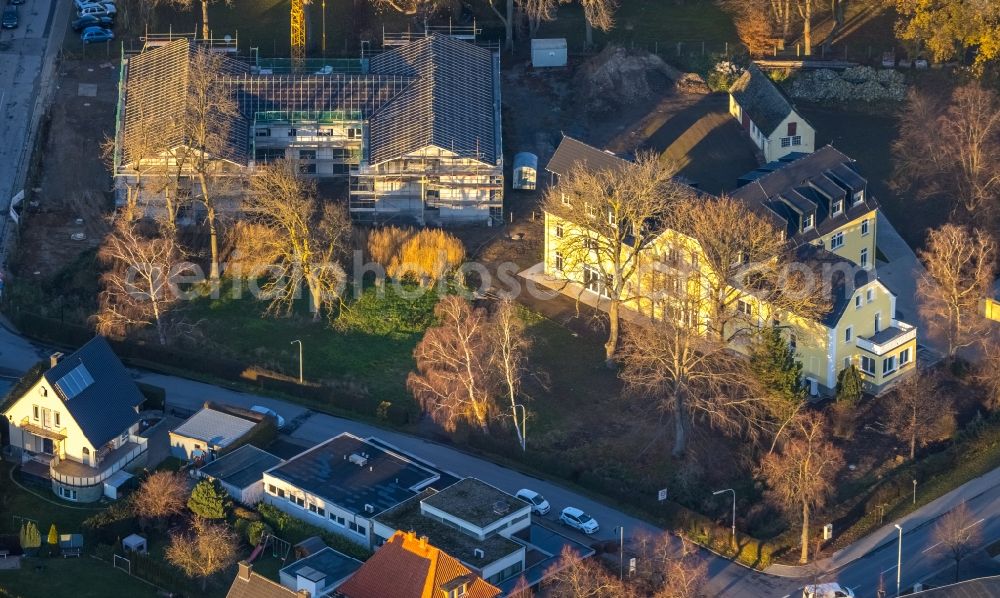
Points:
(75, 381)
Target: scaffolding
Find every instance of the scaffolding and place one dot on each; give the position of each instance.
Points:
(463, 32)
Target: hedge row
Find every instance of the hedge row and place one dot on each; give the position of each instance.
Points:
(294, 530)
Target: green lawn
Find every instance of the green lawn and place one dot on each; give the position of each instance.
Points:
(84, 577)
(370, 346)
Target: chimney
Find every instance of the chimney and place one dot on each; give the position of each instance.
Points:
(303, 594)
(423, 542)
(54, 358)
(244, 571)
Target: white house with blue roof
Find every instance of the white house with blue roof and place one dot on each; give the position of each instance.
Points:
(78, 424)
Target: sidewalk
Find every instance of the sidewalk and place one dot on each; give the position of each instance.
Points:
(887, 534)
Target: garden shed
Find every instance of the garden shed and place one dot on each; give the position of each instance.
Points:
(134, 543)
(548, 52)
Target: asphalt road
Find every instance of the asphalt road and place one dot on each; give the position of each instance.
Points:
(27, 56)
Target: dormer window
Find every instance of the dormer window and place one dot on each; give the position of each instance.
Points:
(565, 201)
(808, 221)
(859, 196)
(838, 207)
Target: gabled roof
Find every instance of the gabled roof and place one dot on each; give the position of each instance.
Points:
(241, 468)
(410, 567)
(249, 584)
(819, 180)
(156, 99)
(573, 153)
(761, 100)
(452, 104)
(97, 391)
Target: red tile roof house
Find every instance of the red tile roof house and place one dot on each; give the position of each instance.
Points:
(410, 567)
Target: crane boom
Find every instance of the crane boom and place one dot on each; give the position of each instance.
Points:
(298, 32)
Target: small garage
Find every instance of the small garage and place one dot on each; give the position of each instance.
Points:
(548, 52)
(525, 171)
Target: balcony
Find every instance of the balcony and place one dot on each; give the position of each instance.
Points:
(74, 473)
(884, 341)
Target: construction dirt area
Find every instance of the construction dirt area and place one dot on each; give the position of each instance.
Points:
(66, 211)
(625, 101)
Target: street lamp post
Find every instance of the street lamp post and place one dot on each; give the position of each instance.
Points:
(914, 492)
(300, 357)
(899, 558)
(734, 508)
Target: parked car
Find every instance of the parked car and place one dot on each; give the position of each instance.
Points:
(81, 3)
(577, 519)
(538, 503)
(827, 590)
(9, 17)
(92, 21)
(265, 411)
(93, 35)
(100, 10)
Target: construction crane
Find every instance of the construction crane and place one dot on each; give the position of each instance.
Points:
(298, 33)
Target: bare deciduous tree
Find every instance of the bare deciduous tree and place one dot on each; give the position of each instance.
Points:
(745, 254)
(988, 372)
(537, 12)
(609, 230)
(575, 577)
(163, 494)
(805, 11)
(137, 289)
(510, 359)
(668, 567)
(918, 412)
(950, 151)
(454, 381)
(598, 14)
(958, 535)
(210, 113)
(692, 378)
(305, 239)
(801, 476)
(753, 23)
(960, 265)
(207, 549)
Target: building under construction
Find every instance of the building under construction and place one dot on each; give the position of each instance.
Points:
(415, 129)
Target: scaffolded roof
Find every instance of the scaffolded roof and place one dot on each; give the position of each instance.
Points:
(452, 103)
(435, 91)
(156, 95)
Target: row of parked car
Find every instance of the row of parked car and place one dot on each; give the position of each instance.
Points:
(94, 21)
(570, 516)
